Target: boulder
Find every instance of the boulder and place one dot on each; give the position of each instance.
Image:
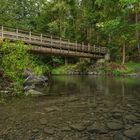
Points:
(36, 80)
(77, 127)
(100, 129)
(133, 133)
(33, 81)
(32, 92)
(115, 125)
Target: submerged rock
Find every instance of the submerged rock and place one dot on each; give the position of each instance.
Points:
(33, 83)
(43, 121)
(97, 129)
(78, 127)
(35, 80)
(115, 125)
(133, 133)
(132, 118)
(32, 92)
(119, 136)
(51, 109)
(49, 131)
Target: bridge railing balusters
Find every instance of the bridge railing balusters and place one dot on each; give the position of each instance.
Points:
(73, 48)
(68, 46)
(41, 39)
(76, 47)
(82, 46)
(60, 45)
(30, 34)
(17, 34)
(2, 30)
(88, 47)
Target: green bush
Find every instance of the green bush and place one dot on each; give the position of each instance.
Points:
(15, 59)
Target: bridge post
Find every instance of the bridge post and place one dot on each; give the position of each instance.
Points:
(60, 45)
(76, 47)
(66, 61)
(51, 43)
(68, 46)
(2, 29)
(82, 46)
(88, 47)
(41, 39)
(17, 34)
(30, 35)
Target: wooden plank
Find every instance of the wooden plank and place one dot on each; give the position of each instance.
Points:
(50, 42)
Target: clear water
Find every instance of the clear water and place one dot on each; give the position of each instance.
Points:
(72, 102)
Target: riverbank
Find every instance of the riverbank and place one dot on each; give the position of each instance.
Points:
(99, 68)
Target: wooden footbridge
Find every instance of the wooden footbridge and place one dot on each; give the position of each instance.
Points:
(52, 45)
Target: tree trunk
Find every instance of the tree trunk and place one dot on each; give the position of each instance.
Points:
(137, 33)
(123, 54)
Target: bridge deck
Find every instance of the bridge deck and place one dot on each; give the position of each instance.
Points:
(52, 45)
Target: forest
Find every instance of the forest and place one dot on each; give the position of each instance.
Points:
(114, 24)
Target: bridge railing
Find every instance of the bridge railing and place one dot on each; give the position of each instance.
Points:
(47, 41)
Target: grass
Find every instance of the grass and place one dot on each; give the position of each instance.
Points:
(62, 69)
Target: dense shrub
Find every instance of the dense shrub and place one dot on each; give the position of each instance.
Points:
(15, 59)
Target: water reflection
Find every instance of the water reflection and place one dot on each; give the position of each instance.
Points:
(90, 85)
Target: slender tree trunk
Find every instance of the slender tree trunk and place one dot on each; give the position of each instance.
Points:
(123, 54)
(137, 33)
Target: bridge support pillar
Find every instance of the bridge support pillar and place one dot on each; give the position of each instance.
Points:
(66, 61)
(107, 57)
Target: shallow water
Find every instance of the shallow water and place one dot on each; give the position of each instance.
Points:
(76, 108)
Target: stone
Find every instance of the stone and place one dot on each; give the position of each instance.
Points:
(66, 128)
(128, 126)
(97, 129)
(132, 118)
(117, 115)
(133, 133)
(115, 125)
(32, 80)
(43, 121)
(116, 110)
(33, 92)
(51, 109)
(90, 73)
(35, 130)
(119, 136)
(49, 131)
(78, 127)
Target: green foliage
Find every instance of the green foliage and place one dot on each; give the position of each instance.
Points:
(98, 22)
(15, 59)
(62, 69)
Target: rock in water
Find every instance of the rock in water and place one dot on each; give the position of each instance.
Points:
(49, 131)
(36, 80)
(78, 127)
(114, 125)
(133, 133)
(33, 81)
(32, 92)
(43, 121)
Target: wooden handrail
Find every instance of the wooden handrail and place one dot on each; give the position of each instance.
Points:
(48, 41)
